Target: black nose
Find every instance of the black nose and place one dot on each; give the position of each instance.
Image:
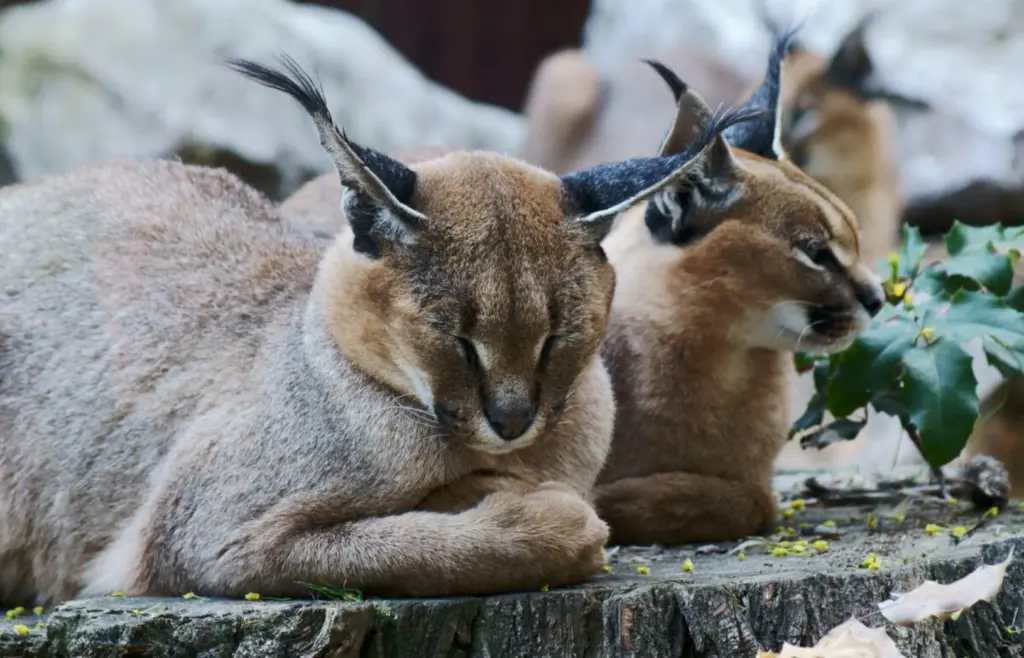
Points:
(870, 297)
(510, 421)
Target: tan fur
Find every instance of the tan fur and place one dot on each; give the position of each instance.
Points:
(847, 143)
(190, 399)
(702, 333)
(576, 118)
(701, 395)
(195, 396)
(314, 206)
(561, 107)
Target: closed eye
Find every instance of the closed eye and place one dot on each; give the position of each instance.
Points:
(817, 257)
(545, 351)
(469, 353)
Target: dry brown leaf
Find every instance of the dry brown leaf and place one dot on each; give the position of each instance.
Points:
(932, 599)
(851, 639)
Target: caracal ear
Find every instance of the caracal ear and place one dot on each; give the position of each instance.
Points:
(377, 188)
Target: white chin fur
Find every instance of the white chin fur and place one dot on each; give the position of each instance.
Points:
(785, 327)
(492, 444)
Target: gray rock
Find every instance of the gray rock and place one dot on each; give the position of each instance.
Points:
(85, 80)
(963, 156)
(725, 608)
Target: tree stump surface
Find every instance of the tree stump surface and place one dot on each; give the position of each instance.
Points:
(647, 606)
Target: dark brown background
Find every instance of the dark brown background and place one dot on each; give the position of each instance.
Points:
(483, 49)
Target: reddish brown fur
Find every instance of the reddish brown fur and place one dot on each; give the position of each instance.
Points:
(701, 396)
(852, 149)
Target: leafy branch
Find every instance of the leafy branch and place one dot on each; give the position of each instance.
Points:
(911, 362)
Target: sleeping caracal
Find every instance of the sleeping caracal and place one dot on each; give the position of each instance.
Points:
(719, 279)
(194, 397)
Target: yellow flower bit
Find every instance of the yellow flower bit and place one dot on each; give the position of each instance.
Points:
(959, 531)
(119, 595)
(872, 522)
(871, 562)
(779, 551)
(788, 514)
(820, 545)
(927, 333)
(1020, 505)
(544, 588)
(779, 530)
(893, 259)
(805, 526)
(190, 595)
(931, 529)
(956, 614)
(38, 610)
(899, 289)
(829, 524)
(899, 517)
(741, 556)
(643, 571)
(688, 565)
(252, 596)
(791, 531)
(953, 501)
(800, 545)
(607, 568)
(15, 612)
(785, 544)
(797, 504)
(992, 511)
(908, 298)
(21, 629)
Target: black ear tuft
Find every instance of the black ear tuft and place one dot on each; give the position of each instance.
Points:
(595, 196)
(850, 67)
(377, 188)
(677, 86)
(762, 137)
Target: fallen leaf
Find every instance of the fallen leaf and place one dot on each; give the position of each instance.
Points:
(851, 639)
(932, 599)
(846, 645)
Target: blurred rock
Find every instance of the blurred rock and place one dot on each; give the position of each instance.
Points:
(82, 80)
(962, 155)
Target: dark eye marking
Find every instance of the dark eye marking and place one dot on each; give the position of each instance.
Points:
(821, 255)
(469, 353)
(545, 351)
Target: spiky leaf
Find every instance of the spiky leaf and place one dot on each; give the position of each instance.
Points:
(868, 367)
(940, 392)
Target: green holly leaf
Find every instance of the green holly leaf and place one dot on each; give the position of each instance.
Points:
(992, 270)
(911, 252)
(971, 314)
(1001, 357)
(964, 237)
(869, 365)
(891, 402)
(803, 361)
(1015, 299)
(814, 414)
(940, 392)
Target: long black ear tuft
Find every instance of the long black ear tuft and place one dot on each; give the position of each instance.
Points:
(774, 28)
(598, 194)
(850, 67)
(763, 137)
(378, 187)
(691, 119)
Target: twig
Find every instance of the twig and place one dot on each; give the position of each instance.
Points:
(937, 474)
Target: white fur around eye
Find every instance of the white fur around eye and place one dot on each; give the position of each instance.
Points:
(801, 256)
(419, 382)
